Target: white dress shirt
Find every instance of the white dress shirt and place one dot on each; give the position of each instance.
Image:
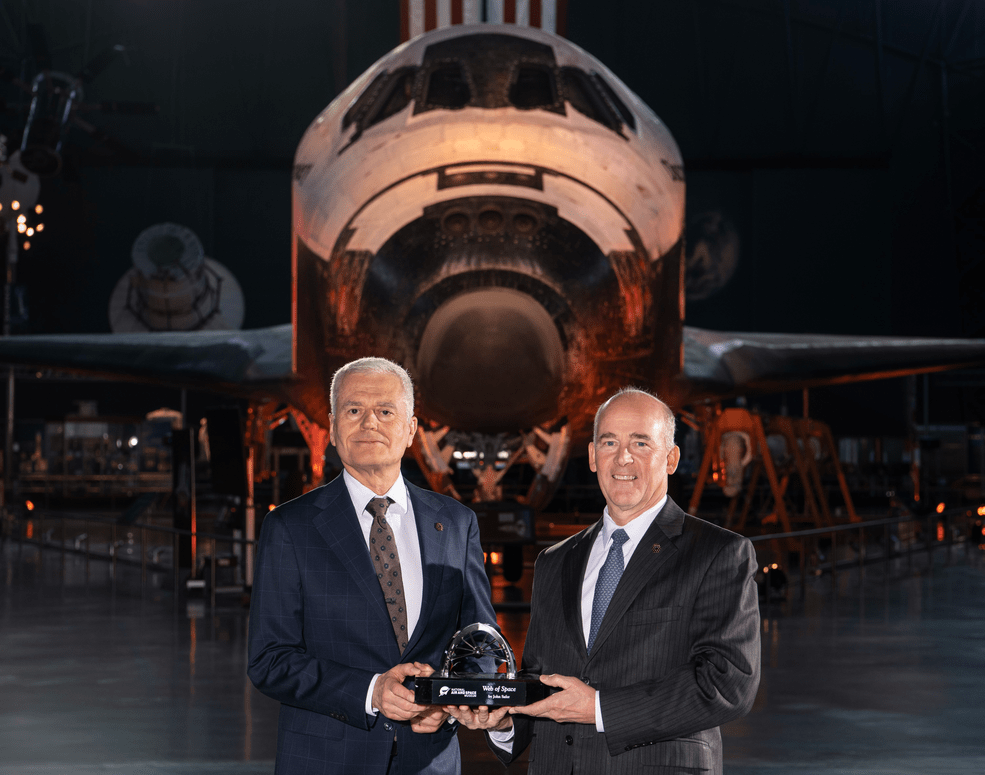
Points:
(635, 529)
(400, 518)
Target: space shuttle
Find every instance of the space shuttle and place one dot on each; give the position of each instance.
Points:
(492, 208)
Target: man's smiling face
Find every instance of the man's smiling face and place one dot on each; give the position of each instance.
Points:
(631, 455)
(372, 431)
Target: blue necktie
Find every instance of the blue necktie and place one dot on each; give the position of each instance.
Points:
(607, 582)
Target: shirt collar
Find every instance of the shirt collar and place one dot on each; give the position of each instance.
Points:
(635, 528)
(361, 495)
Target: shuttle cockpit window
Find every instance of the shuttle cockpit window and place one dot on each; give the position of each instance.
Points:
(395, 96)
(614, 100)
(488, 70)
(447, 87)
(590, 96)
(533, 86)
(358, 110)
(387, 95)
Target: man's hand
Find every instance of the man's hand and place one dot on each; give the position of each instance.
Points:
(574, 703)
(430, 720)
(392, 698)
(481, 717)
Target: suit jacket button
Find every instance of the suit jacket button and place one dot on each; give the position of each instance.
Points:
(388, 726)
(569, 739)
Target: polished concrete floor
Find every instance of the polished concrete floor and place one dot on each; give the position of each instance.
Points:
(880, 675)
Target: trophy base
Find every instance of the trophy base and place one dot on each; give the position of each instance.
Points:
(492, 689)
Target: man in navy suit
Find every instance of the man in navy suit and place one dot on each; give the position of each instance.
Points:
(647, 621)
(360, 585)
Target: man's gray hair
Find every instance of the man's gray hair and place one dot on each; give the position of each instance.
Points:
(373, 366)
(669, 422)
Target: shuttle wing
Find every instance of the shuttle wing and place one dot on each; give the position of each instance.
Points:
(234, 359)
(718, 364)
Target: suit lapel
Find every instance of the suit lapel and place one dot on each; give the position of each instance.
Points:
(434, 547)
(572, 577)
(654, 550)
(338, 525)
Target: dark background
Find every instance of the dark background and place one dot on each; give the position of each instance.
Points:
(844, 140)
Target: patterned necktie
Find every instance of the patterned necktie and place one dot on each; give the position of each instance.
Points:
(606, 583)
(386, 561)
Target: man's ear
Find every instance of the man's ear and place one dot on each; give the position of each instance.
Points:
(413, 431)
(591, 455)
(331, 429)
(673, 458)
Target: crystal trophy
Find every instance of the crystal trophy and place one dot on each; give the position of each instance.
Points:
(468, 649)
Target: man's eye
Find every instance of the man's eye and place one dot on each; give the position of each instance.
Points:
(385, 412)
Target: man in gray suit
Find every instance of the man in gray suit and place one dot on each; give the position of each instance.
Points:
(647, 622)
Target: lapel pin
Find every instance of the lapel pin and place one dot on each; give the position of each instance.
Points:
(656, 549)
(438, 526)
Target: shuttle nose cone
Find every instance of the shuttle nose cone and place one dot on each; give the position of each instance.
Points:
(491, 359)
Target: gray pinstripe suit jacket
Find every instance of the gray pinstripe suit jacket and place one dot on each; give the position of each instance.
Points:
(677, 653)
(319, 630)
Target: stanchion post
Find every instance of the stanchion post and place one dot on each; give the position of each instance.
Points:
(175, 564)
(803, 567)
(887, 540)
(85, 527)
(212, 563)
(947, 536)
(909, 546)
(931, 537)
(861, 553)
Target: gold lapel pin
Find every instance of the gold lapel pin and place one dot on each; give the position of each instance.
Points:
(656, 549)
(438, 526)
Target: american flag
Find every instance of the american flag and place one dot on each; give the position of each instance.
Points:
(419, 16)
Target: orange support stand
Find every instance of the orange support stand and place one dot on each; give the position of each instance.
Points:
(718, 421)
(316, 438)
(714, 422)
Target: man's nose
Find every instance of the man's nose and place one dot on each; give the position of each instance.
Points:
(625, 456)
(369, 419)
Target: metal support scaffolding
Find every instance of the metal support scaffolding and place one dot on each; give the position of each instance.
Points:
(735, 439)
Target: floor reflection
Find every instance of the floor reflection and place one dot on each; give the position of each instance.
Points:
(99, 675)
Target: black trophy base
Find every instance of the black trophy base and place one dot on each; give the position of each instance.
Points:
(492, 689)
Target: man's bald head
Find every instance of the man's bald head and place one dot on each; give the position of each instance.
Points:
(669, 423)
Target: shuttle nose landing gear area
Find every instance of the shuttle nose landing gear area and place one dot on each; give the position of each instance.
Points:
(489, 458)
(492, 359)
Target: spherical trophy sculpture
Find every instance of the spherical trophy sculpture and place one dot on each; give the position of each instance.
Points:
(470, 673)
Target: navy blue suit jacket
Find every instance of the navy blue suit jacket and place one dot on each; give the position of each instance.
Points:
(319, 630)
